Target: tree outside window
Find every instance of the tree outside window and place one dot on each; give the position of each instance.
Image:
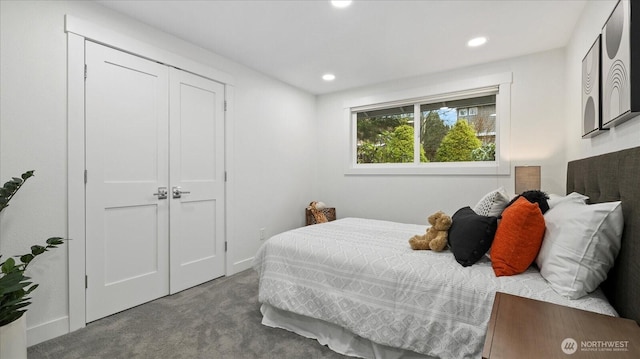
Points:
(386, 135)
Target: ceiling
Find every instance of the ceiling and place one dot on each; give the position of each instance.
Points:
(366, 43)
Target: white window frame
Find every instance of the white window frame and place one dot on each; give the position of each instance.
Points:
(459, 89)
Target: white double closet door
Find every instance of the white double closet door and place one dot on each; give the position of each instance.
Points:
(154, 180)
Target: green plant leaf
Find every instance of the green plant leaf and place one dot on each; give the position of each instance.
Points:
(55, 241)
(27, 258)
(9, 189)
(14, 287)
(11, 185)
(8, 265)
(31, 289)
(16, 303)
(11, 278)
(27, 175)
(10, 316)
(37, 250)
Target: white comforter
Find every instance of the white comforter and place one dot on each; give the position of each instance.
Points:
(362, 275)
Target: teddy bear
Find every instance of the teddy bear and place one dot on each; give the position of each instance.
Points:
(436, 237)
(316, 210)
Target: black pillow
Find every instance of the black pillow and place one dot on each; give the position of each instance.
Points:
(471, 235)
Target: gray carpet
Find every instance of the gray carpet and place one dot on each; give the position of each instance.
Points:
(218, 319)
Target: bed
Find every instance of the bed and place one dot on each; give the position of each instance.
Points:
(355, 285)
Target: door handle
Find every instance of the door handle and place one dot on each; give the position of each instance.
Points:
(162, 193)
(178, 192)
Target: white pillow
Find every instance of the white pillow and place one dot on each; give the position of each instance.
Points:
(554, 199)
(580, 245)
(493, 203)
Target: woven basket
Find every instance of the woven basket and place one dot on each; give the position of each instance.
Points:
(330, 213)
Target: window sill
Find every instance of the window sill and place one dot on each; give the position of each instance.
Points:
(436, 169)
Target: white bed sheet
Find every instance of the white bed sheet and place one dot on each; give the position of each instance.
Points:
(361, 275)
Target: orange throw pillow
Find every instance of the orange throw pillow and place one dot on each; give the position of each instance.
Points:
(518, 238)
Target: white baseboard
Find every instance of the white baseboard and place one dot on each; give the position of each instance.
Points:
(239, 266)
(49, 330)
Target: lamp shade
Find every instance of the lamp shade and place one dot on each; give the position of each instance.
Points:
(527, 178)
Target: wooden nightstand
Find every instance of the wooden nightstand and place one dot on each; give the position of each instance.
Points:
(526, 328)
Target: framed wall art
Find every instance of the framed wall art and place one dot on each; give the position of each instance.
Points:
(621, 64)
(591, 109)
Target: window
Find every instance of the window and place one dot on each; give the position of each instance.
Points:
(445, 132)
(386, 135)
(445, 137)
(455, 133)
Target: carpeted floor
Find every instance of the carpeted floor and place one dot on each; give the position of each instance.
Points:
(218, 319)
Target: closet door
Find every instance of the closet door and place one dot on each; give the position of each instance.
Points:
(127, 218)
(197, 180)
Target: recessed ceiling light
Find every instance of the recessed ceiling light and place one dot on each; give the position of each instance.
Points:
(328, 77)
(477, 41)
(340, 3)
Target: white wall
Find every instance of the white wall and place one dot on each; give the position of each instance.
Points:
(274, 135)
(623, 136)
(537, 138)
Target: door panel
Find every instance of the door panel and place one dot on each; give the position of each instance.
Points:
(198, 231)
(126, 161)
(119, 223)
(197, 166)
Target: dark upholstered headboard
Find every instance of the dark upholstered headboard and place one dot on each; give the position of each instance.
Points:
(616, 177)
